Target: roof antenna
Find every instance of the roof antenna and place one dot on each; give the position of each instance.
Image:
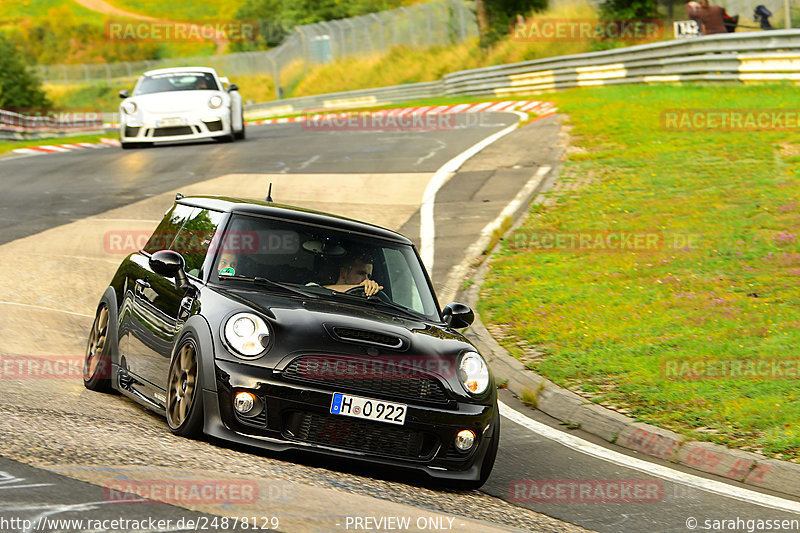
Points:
(269, 194)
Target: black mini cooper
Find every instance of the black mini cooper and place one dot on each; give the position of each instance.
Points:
(285, 328)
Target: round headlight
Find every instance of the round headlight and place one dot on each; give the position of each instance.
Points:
(473, 373)
(215, 101)
(129, 107)
(247, 334)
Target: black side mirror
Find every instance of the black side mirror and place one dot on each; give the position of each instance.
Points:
(170, 264)
(458, 315)
(124, 94)
(233, 87)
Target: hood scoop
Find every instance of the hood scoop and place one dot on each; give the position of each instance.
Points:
(369, 338)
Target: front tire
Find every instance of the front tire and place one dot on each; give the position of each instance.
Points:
(239, 135)
(184, 393)
(97, 362)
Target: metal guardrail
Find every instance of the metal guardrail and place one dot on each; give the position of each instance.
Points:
(360, 98)
(757, 56)
(21, 126)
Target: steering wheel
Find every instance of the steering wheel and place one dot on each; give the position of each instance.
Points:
(360, 290)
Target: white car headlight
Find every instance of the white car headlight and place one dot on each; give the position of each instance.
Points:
(215, 101)
(129, 107)
(473, 373)
(247, 334)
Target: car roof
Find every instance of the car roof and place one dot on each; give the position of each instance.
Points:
(288, 212)
(180, 69)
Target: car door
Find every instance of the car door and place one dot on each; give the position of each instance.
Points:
(164, 304)
(148, 309)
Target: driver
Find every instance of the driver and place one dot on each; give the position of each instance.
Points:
(354, 273)
(228, 263)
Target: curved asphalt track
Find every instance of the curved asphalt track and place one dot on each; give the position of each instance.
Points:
(42, 192)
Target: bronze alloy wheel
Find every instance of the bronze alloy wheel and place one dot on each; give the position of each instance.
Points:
(182, 386)
(96, 364)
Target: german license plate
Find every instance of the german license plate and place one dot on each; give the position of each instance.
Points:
(378, 410)
(167, 122)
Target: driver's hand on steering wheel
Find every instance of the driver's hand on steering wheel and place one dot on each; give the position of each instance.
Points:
(371, 286)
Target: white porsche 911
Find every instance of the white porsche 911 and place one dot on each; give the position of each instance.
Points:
(178, 104)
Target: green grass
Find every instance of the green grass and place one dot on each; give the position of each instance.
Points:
(609, 321)
(14, 11)
(181, 10)
(8, 146)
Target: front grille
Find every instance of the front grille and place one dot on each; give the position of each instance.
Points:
(359, 435)
(368, 337)
(131, 131)
(173, 130)
(365, 375)
(214, 126)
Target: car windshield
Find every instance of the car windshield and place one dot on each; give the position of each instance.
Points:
(325, 262)
(176, 81)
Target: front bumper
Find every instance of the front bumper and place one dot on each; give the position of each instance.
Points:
(174, 128)
(297, 417)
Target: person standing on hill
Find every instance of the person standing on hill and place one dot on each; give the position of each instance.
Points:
(710, 18)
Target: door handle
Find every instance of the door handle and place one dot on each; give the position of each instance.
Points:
(185, 308)
(141, 285)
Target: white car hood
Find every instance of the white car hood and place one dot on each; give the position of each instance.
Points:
(175, 101)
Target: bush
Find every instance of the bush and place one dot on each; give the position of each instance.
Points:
(19, 88)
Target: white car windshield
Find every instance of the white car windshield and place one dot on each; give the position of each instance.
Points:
(176, 81)
(325, 262)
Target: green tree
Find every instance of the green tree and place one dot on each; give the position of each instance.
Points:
(279, 17)
(19, 88)
(628, 9)
(496, 17)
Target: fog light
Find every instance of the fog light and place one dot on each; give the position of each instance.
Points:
(465, 439)
(244, 402)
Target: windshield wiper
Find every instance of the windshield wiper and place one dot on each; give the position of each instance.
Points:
(378, 302)
(270, 283)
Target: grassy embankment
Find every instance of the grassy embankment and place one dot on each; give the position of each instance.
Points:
(399, 65)
(721, 289)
